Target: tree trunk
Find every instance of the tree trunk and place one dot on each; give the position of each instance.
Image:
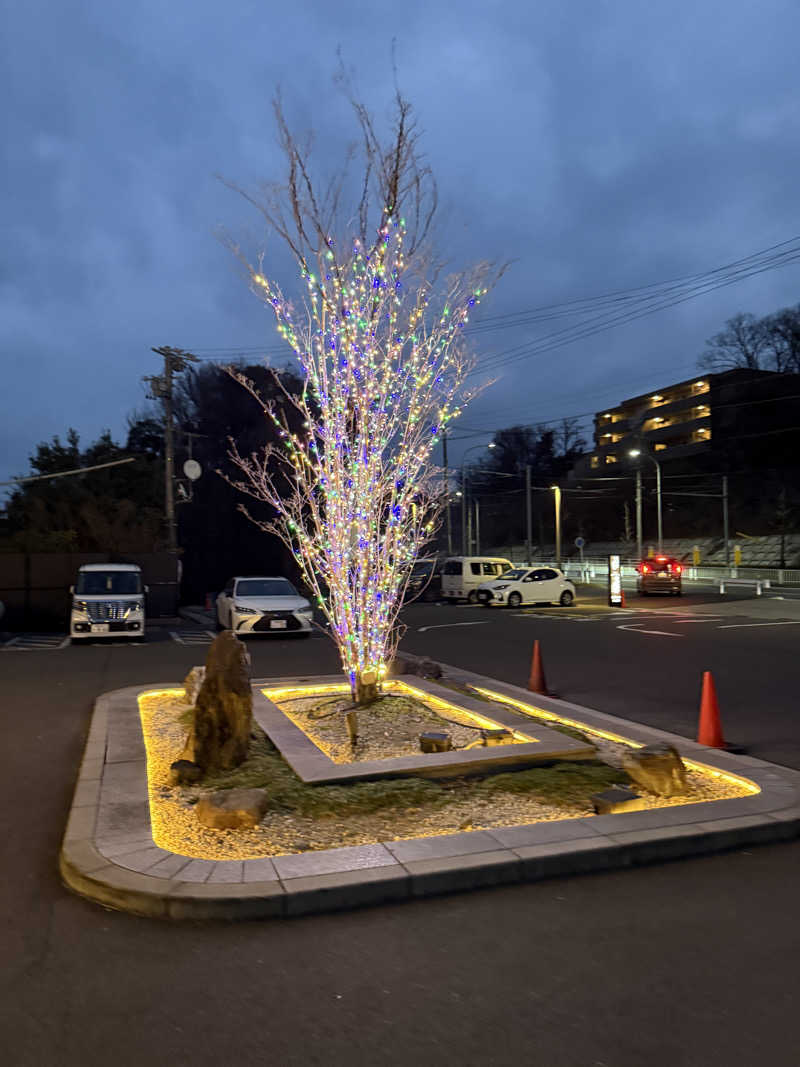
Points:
(366, 688)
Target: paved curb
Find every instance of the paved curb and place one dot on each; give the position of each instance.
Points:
(108, 853)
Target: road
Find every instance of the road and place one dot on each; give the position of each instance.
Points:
(677, 965)
(645, 663)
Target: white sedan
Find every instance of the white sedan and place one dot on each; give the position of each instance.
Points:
(528, 585)
(263, 606)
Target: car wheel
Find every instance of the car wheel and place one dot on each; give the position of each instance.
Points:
(514, 600)
(566, 598)
(472, 598)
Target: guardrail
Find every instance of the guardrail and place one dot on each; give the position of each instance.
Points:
(766, 576)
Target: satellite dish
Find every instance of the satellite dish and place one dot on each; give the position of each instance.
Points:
(192, 469)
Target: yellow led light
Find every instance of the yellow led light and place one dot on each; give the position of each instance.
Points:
(541, 713)
(394, 686)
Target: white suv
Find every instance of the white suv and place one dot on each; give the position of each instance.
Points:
(107, 601)
(528, 585)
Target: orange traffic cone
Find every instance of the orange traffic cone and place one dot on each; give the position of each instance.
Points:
(709, 731)
(536, 682)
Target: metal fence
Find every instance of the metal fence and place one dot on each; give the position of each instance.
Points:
(598, 568)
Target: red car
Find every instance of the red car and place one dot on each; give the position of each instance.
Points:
(660, 574)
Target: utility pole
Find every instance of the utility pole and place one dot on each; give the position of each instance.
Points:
(175, 361)
(725, 532)
(639, 512)
(528, 516)
(477, 527)
(447, 494)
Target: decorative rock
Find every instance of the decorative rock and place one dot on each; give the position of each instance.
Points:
(657, 768)
(432, 741)
(617, 799)
(184, 772)
(223, 711)
(233, 809)
(423, 668)
(428, 668)
(192, 683)
(501, 736)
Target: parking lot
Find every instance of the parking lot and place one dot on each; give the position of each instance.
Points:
(560, 954)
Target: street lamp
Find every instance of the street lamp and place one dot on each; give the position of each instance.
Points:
(633, 453)
(464, 546)
(557, 500)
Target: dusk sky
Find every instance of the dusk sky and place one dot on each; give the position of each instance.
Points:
(598, 145)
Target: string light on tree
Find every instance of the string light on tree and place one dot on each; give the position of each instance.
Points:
(384, 372)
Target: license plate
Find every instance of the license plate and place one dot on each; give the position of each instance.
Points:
(663, 574)
(99, 627)
(277, 624)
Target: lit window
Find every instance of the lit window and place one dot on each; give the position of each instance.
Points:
(656, 398)
(660, 448)
(611, 459)
(595, 461)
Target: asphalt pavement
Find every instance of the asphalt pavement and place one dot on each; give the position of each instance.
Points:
(679, 964)
(644, 663)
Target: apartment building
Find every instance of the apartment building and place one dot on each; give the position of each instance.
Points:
(693, 419)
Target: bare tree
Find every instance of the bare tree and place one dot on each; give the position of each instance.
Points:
(384, 365)
(743, 343)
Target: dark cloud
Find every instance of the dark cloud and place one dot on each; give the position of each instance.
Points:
(598, 145)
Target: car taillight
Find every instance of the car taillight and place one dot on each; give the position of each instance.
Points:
(677, 568)
(645, 568)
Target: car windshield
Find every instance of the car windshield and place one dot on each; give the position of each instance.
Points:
(265, 587)
(421, 569)
(660, 564)
(113, 583)
(516, 574)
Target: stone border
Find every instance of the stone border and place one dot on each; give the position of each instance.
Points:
(108, 853)
(314, 766)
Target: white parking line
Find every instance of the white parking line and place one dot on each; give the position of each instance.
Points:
(446, 625)
(35, 643)
(660, 633)
(192, 637)
(748, 625)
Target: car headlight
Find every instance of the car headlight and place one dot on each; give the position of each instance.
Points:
(80, 605)
(133, 605)
(498, 595)
(245, 611)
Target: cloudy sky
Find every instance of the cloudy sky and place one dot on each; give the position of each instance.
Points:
(600, 145)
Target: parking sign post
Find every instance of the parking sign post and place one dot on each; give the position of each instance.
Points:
(615, 597)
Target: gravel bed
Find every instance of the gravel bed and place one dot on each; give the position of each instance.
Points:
(388, 728)
(465, 806)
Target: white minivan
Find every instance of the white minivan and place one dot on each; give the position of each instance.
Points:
(461, 575)
(107, 601)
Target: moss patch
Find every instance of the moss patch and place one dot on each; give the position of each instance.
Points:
(265, 769)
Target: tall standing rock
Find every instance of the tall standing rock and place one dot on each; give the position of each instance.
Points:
(223, 711)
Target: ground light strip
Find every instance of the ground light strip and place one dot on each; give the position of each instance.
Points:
(433, 702)
(540, 713)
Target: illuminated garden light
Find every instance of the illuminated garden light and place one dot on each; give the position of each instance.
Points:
(357, 495)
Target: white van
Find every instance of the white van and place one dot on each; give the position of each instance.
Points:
(461, 575)
(107, 601)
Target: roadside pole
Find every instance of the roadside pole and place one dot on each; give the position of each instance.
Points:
(528, 516)
(447, 494)
(639, 513)
(725, 531)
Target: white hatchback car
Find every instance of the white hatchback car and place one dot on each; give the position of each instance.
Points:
(528, 585)
(263, 606)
